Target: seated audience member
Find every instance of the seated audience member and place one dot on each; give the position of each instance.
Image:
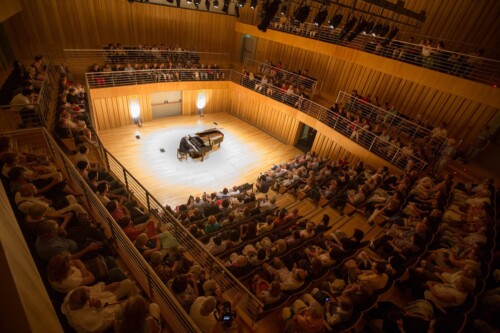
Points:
(446, 295)
(49, 243)
(267, 226)
(267, 293)
(95, 309)
(374, 279)
(118, 211)
(342, 310)
(185, 290)
(164, 272)
(147, 246)
(26, 198)
(66, 274)
(202, 313)
(306, 315)
(139, 316)
(288, 279)
(216, 246)
(212, 225)
(263, 184)
(308, 232)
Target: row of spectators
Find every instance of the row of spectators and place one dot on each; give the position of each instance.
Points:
(92, 291)
(150, 53)
(151, 73)
(427, 53)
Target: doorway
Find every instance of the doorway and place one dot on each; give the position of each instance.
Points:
(248, 47)
(306, 138)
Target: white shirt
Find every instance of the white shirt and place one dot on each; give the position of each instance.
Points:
(205, 323)
(20, 99)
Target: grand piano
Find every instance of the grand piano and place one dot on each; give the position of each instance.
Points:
(202, 142)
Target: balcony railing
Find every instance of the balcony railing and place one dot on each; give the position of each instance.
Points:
(406, 126)
(144, 76)
(37, 113)
(467, 66)
(82, 60)
(388, 151)
(250, 306)
(369, 140)
(305, 83)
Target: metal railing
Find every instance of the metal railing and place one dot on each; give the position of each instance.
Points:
(144, 76)
(389, 151)
(274, 73)
(249, 305)
(37, 113)
(467, 66)
(406, 127)
(40, 141)
(83, 60)
(171, 311)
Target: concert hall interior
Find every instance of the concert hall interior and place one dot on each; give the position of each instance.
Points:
(293, 166)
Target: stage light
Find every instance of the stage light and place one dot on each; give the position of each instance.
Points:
(348, 27)
(135, 111)
(236, 10)
(284, 9)
(368, 27)
(216, 3)
(270, 10)
(242, 3)
(384, 30)
(302, 13)
(359, 28)
(253, 4)
(225, 8)
(320, 17)
(335, 21)
(207, 5)
(376, 29)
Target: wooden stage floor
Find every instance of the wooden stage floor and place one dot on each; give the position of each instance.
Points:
(245, 152)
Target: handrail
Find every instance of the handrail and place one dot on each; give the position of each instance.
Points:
(170, 309)
(264, 67)
(371, 111)
(388, 151)
(143, 272)
(42, 105)
(249, 304)
(466, 66)
(144, 76)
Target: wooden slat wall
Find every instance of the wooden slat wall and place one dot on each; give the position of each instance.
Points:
(474, 22)
(111, 105)
(217, 101)
(9, 8)
(326, 146)
(466, 115)
(55, 24)
(278, 124)
(283, 122)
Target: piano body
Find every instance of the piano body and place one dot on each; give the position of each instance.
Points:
(204, 141)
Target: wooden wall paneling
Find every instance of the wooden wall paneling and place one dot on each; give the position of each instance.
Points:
(9, 8)
(54, 25)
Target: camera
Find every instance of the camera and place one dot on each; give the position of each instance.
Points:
(227, 314)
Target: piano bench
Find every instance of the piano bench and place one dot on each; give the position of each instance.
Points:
(182, 154)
